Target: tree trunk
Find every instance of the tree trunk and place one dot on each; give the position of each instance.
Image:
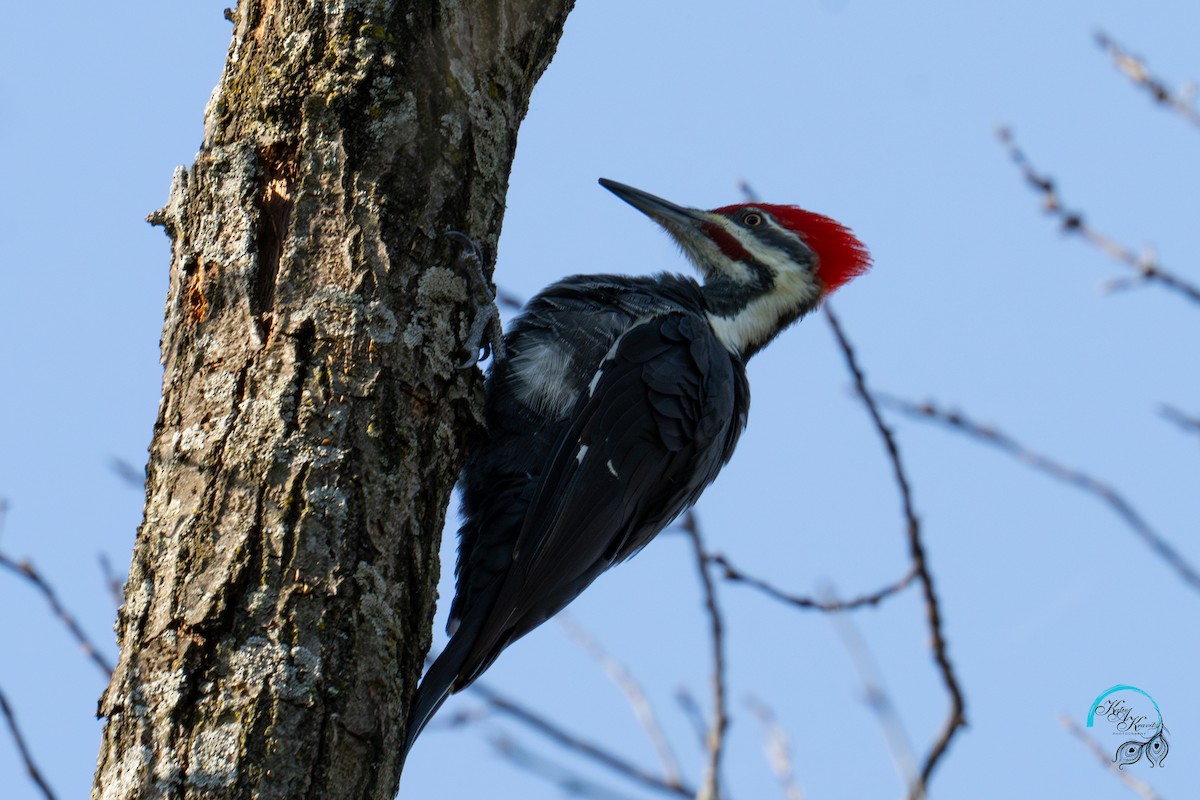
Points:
(280, 598)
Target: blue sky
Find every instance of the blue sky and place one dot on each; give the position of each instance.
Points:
(881, 115)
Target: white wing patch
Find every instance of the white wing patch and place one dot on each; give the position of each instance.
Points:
(596, 378)
(612, 470)
(543, 379)
(583, 448)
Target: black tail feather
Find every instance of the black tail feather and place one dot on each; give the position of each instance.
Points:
(436, 686)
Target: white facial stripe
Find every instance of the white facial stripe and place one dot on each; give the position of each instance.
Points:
(779, 261)
(712, 262)
(759, 320)
(707, 257)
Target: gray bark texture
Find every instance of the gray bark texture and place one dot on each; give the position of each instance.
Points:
(281, 592)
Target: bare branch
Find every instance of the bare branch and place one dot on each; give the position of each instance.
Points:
(572, 783)
(957, 421)
(570, 741)
(26, 570)
(1182, 102)
(1186, 422)
(695, 717)
(734, 575)
(638, 701)
(128, 474)
(1141, 788)
(711, 789)
(506, 299)
(112, 581)
(461, 718)
(778, 747)
(31, 767)
(1146, 263)
(956, 717)
(878, 699)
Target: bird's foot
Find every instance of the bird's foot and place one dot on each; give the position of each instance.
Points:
(486, 336)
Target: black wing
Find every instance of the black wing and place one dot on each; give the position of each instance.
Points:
(659, 421)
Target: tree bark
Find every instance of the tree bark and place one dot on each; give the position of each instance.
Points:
(280, 598)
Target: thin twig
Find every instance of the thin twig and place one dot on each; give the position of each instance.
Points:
(639, 703)
(571, 783)
(878, 699)
(1182, 102)
(956, 717)
(112, 581)
(958, 421)
(1188, 423)
(1142, 789)
(27, 571)
(506, 299)
(31, 767)
(711, 789)
(570, 741)
(778, 747)
(461, 717)
(130, 475)
(695, 717)
(747, 191)
(1146, 263)
(734, 575)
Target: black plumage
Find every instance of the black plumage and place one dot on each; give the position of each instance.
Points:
(619, 401)
(615, 408)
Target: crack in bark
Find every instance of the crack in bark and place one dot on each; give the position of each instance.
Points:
(257, 739)
(278, 163)
(293, 508)
(235, 409)
(319, 763)
(203, 659)
(304, 340)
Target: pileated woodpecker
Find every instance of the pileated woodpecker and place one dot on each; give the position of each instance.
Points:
(619, 401)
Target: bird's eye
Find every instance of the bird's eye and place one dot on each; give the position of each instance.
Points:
(752, 220)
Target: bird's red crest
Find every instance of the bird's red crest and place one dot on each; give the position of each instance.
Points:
(840, 255)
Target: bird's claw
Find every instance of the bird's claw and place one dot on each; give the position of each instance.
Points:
(485, 330)
(486, 336)
(476, 251)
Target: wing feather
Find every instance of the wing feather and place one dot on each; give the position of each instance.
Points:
(663, 416)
